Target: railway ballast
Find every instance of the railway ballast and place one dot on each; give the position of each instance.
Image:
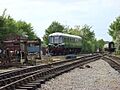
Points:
(101, 76)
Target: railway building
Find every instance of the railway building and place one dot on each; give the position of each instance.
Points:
(16, 48)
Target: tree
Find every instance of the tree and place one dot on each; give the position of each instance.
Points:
(86, 33)
(114, 28)
(25, 28)
(88, 39)
(7, 25)
(10, 26)
(114, 32)
(2, 25)
(74, 31)
(54, 27)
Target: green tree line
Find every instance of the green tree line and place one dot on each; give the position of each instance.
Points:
(89, 42)
(8, 25)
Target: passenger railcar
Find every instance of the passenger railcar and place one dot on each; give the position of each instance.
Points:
(60, 43)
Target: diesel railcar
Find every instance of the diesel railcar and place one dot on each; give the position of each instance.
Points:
(60, 43)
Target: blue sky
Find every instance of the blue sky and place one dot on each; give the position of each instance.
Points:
(96, 13)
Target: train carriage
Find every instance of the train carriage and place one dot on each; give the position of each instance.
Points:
(109, 47)
(60, 43)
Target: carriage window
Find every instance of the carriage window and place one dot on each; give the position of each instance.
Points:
(77, 40)
(73, 40)
(60, 39)
(56, 39)
(64, 38)
(51, 39)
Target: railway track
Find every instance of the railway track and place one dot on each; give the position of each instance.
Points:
(31, 78)
(113, 61)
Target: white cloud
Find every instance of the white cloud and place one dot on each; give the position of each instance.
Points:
(110, 3)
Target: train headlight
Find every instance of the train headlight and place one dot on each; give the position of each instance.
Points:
(50, 44)
(62, 44)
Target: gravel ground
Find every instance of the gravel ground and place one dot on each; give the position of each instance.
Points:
(101, 76)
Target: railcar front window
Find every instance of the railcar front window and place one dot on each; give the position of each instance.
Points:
(51, 40)
(56, 39)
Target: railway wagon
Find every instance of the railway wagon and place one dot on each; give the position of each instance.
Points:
(109, 47)
(61, 44)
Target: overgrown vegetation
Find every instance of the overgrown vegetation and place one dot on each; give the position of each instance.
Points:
(10, 26)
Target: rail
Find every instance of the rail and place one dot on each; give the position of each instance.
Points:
(31, 78)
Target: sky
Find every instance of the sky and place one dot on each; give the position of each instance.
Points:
(41, 13)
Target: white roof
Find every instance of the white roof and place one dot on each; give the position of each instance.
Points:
(62, 34)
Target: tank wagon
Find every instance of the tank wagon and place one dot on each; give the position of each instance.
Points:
(60, 43)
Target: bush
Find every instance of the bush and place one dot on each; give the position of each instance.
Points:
(117, 52)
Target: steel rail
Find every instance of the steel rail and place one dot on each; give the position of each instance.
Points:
(41, 76)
